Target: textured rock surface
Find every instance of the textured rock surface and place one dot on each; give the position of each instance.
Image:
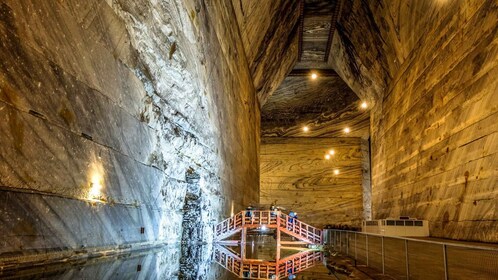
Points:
(431, 67)
(129, 96)
(291, 168)
(325, 105)
(295, 175)
(269, 31)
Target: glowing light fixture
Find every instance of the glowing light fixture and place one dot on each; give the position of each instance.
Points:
(336, 171)
(263, 228)
(331, 152)
(95, 181)
(347, 130)
(314, 76)
(327, 156)
(306, 129)
(364, 105)
(95, 187)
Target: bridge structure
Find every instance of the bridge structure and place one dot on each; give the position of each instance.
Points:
(280, 268)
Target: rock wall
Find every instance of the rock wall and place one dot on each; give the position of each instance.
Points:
(430, 66)
(269, 32)
(106, 107)
(295, 175)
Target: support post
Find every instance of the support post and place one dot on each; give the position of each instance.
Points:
(278, 238)
(243, 244)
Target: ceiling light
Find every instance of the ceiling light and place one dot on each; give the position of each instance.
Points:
(306, 129)
(314, 76)
(347, 130)
(331, 152)
(336, 171)
(364, 105)
(327, 156)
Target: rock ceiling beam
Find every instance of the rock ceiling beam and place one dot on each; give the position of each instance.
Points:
(333, 22)
(301, 28)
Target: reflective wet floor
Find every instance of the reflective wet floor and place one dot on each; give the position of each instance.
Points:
(163, 263)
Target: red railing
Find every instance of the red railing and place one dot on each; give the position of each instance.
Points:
(300, 230)
(256, 269)
(298, 262)
(229, 226)
(270, 219)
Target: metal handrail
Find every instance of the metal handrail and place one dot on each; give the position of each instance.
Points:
(350, 242)
(421, 240)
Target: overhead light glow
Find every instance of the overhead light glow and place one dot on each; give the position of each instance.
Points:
(306, 129)
(347, 130)
(263, 228)
(331, 152)
(364, 105)
(336, 171)
(314, 76)
(327, 156)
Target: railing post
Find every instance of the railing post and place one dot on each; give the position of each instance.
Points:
(340, 241)
(355, 247)
(335, 239)
(383, 266)
(445, 260)
(366, 246)
(406, 259)
(347, 243)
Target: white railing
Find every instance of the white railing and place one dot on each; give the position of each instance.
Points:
(412, 258)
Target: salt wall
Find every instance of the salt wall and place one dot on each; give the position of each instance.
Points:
(106, 108)
(430, 67)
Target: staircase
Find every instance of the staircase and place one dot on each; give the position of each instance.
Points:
(257, 269)
(270, 219)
